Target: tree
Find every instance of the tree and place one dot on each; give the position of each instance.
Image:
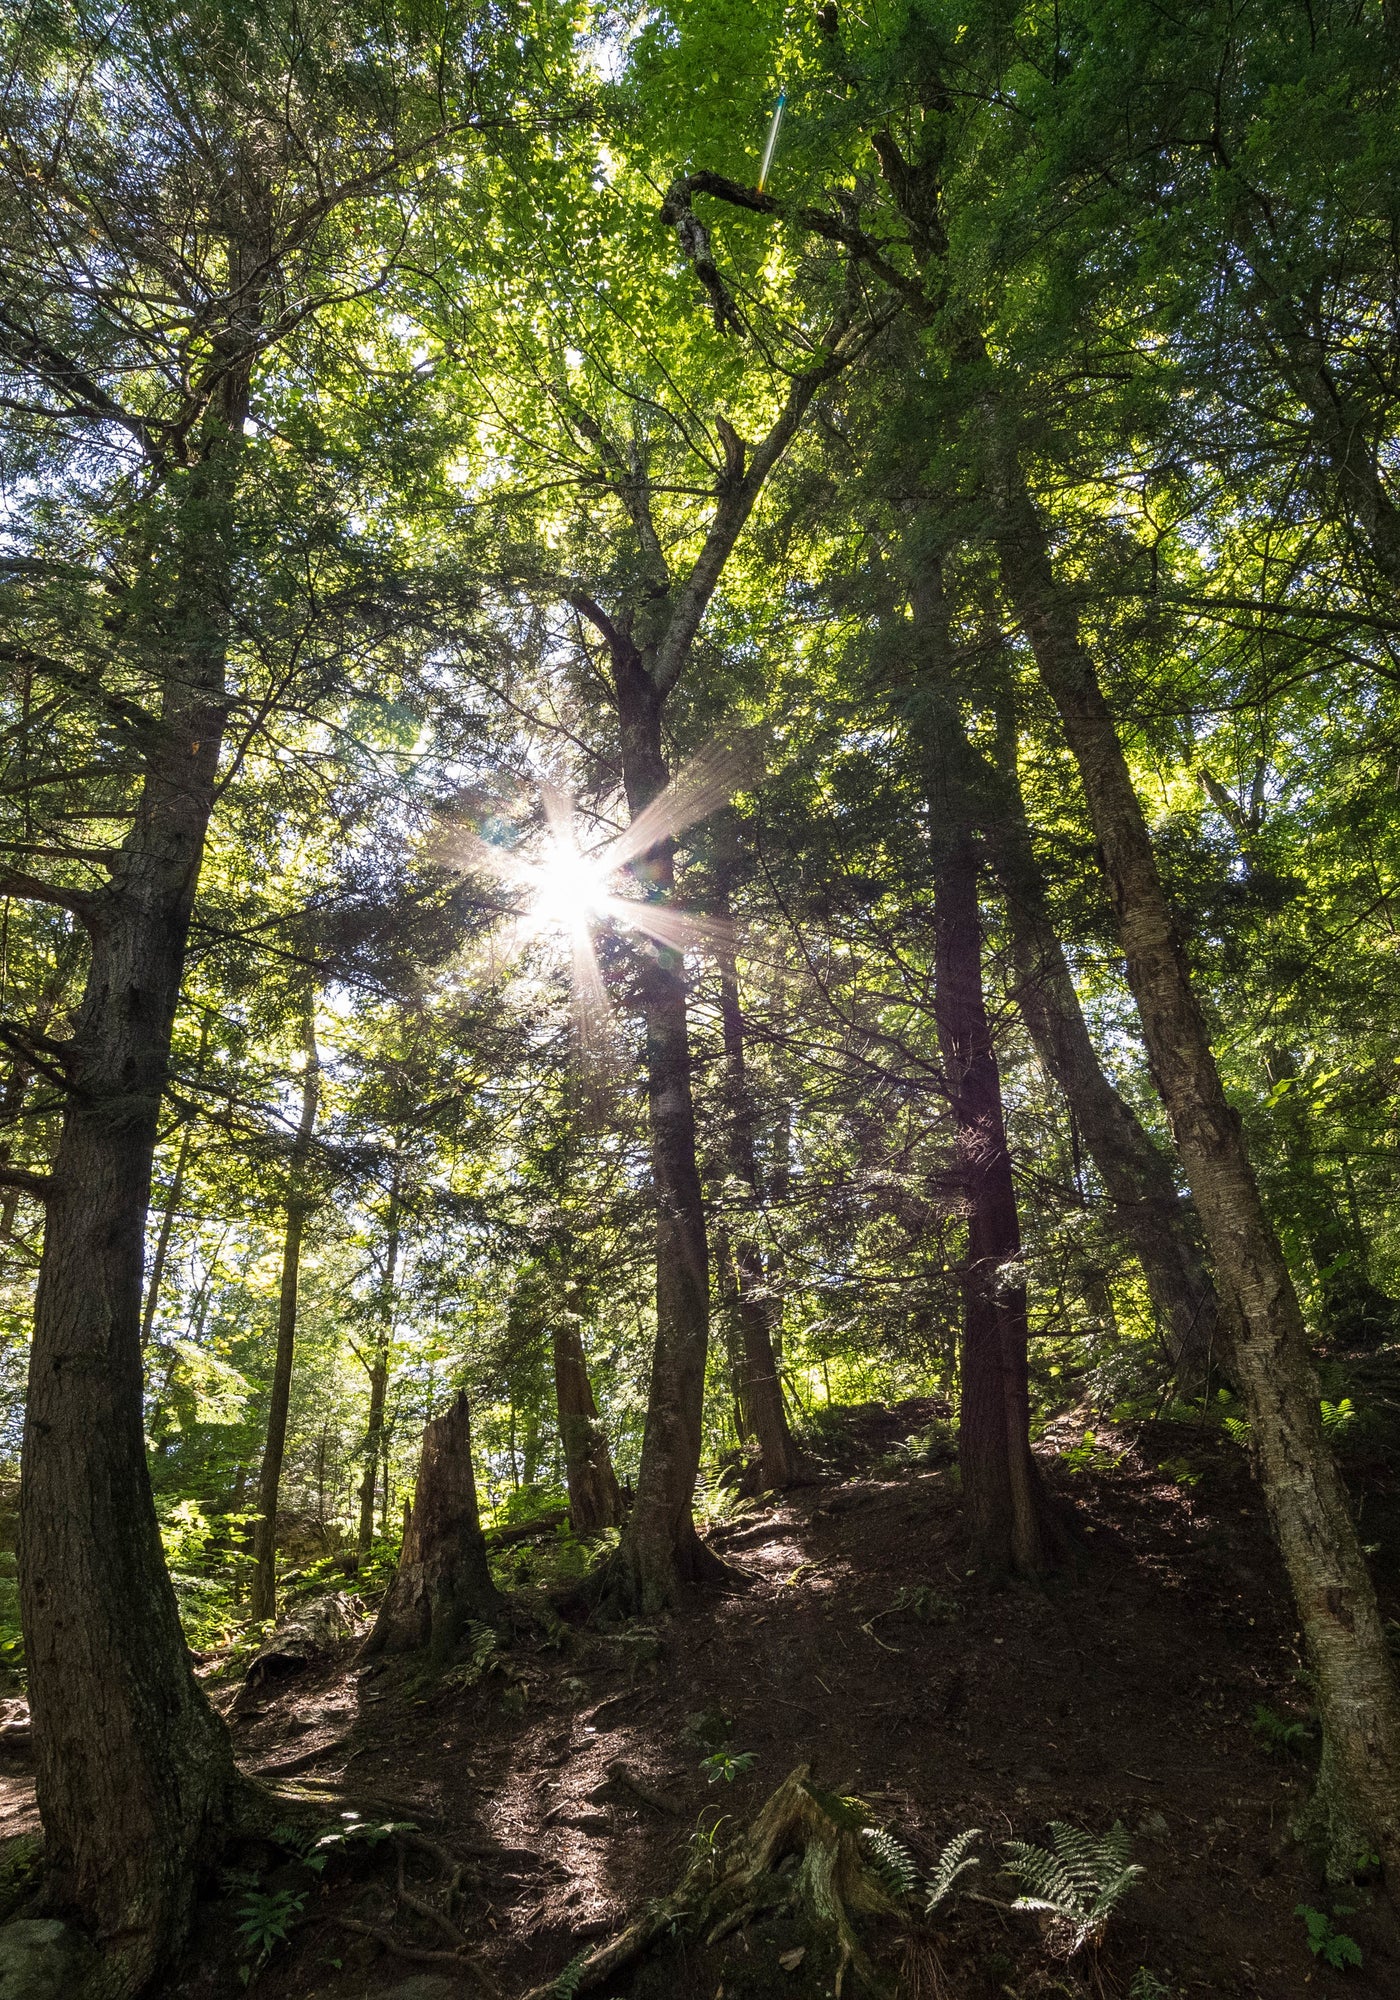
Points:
(176, 214)
(264, 1593)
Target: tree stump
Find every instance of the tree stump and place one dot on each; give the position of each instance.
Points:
(443, 1579)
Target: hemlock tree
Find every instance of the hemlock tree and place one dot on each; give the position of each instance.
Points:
(184, 194)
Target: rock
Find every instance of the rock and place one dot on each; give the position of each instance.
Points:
(40, 1959)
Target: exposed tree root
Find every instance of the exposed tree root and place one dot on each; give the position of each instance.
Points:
(801, 1850)
(415, 1954)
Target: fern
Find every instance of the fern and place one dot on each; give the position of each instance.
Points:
(955, 1860)
(1078, 1882)
(890, 1861)
(571, 1978)
(1147, 1986)
(483, 1649)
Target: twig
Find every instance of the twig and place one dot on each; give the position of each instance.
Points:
(879, 1641)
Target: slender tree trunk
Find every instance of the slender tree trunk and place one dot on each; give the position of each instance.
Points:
(727, 1292)
(172, 1209)
(134, 1769)
(660, 1550)
(264, 1593)
(1357, 1803)
(443, 1579)
(595, 1498)
(379, 1374)
(1001, 1487)
(1134, 1172)
(779, 1460)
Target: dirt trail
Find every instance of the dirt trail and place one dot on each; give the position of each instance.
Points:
(857, 1643)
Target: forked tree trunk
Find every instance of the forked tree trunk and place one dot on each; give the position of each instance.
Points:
(780, 1463)
(1002, 1492)
(1357, 1803)
(379, 1375)
(443, 1581)
(264, 1591)
(595, 1498)
(134, 1769)
(660, 1550)
(1137, 1177)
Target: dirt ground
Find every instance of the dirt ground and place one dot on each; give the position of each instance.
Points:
(569, 1775)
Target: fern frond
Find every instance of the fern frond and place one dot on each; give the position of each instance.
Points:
(1078, 1882)
(890, 1861)
(955, 1860)
(566, 1986)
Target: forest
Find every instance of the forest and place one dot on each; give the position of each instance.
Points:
(699, 999)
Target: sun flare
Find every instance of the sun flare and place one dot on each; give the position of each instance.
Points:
(568, 890)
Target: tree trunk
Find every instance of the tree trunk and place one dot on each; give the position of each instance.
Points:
(727, 1290)
(1001, 1487)
(1357, 1803)
(443, 1579)
(134, 1769)
(264, 1593)
(172, 1209)
(379, 1375)
(660, 1550)
(1136, 1176)
(595, 1498)
(779, 1460)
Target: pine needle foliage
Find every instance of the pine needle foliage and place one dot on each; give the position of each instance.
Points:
(1078, 1882)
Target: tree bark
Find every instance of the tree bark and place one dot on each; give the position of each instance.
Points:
(264, 1592)
(660, 1551)
(379, 1374)
(1357, 1803)
(595, 1498)
(134, 1769)
(1002, 1492)
(443, 1580)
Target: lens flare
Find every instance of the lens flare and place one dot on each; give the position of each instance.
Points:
(567, 889)
(567, 892)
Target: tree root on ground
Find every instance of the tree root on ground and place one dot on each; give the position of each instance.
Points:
(802, 1850)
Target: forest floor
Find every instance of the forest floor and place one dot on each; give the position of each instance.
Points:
(859, 1643)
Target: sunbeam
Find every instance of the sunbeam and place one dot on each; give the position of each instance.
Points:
(571, 892)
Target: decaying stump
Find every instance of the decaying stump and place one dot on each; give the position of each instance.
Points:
(443, 1579)
(832, 1882)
